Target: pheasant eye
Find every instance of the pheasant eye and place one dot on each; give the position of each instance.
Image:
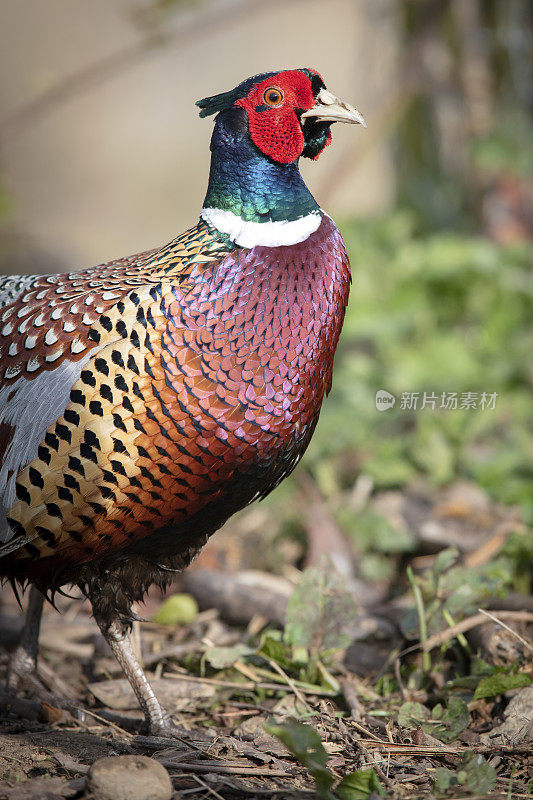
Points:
(273, 97)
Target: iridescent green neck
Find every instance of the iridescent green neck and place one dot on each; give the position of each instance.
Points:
(247, 183)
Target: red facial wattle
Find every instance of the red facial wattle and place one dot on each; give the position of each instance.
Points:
(276, 129)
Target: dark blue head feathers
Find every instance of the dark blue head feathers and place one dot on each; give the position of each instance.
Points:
(225, 100)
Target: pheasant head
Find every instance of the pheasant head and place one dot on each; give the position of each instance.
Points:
(262, 128)
(289, 113)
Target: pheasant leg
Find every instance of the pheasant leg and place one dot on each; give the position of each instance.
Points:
(22, 669)
(158, 721)
(23, 663)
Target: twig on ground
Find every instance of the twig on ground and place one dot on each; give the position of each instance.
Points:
(490, 548)
(312, 690)
(33, 709)
(366, 732)
(290, 683)
(226, 769)
(353, 702)
(55, 683)
(207, 788)
(426, 750)
(379, 771)
(467, 624)
(521, 639)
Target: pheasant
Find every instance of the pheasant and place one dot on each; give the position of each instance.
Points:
(146, 400)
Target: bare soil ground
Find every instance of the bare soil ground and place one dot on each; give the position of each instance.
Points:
(222, 678)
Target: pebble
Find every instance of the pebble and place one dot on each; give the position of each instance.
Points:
(128, 778)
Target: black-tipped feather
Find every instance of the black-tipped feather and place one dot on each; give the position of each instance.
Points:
(225, 100)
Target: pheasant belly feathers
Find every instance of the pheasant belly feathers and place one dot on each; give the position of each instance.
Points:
(144, 401)
(193, 394)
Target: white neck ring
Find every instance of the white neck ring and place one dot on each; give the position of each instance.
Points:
(267, 234)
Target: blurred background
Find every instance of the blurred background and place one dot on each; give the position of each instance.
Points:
(102, 154)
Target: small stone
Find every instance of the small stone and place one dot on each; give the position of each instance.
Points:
(129, 778)
(518, 726)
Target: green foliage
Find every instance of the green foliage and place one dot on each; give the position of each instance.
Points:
(304, 743)
(443, 780)
(375, 540)
(359, 785)
(451, 591)
(373, 533)
(510, 147)
(450, 721)
(433, 313)
(487, 680)
(444, 723)
(474, 774)
(223, 657)
(518, 549)
(318, 611)
(272, 647)
(296, 661)
(501, 682)
(411, 715)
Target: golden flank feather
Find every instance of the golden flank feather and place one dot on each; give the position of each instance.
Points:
(146, 400)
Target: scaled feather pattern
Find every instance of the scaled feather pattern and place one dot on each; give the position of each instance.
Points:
(146, 400)
(200, 371)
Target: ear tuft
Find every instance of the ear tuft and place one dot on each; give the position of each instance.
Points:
(216, 103)
(220, 102)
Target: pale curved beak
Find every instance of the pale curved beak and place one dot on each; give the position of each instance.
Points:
(331, 109)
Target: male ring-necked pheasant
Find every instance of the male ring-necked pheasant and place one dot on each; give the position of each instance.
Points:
(144, 401)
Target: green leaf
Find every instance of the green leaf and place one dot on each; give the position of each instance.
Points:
(451, 722)
(444, 724)
(478, 670)
(318, 611)
(272, 647)
(433, 452)
(499, 683)
(388, 469)
(411, 715)
(178, 609)
(359, 785)
(327, 679)
(445, 561)
(444, 778)
(372, 532)
(222, 657)
(475, 774)
(304, 743)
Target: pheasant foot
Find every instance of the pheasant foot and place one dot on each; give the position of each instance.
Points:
(23, 662)
(157, 721)
(22, 668)
(27, 680)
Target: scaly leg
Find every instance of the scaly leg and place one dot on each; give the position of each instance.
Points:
(22, 669)
(23, 663)
(158, 721)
